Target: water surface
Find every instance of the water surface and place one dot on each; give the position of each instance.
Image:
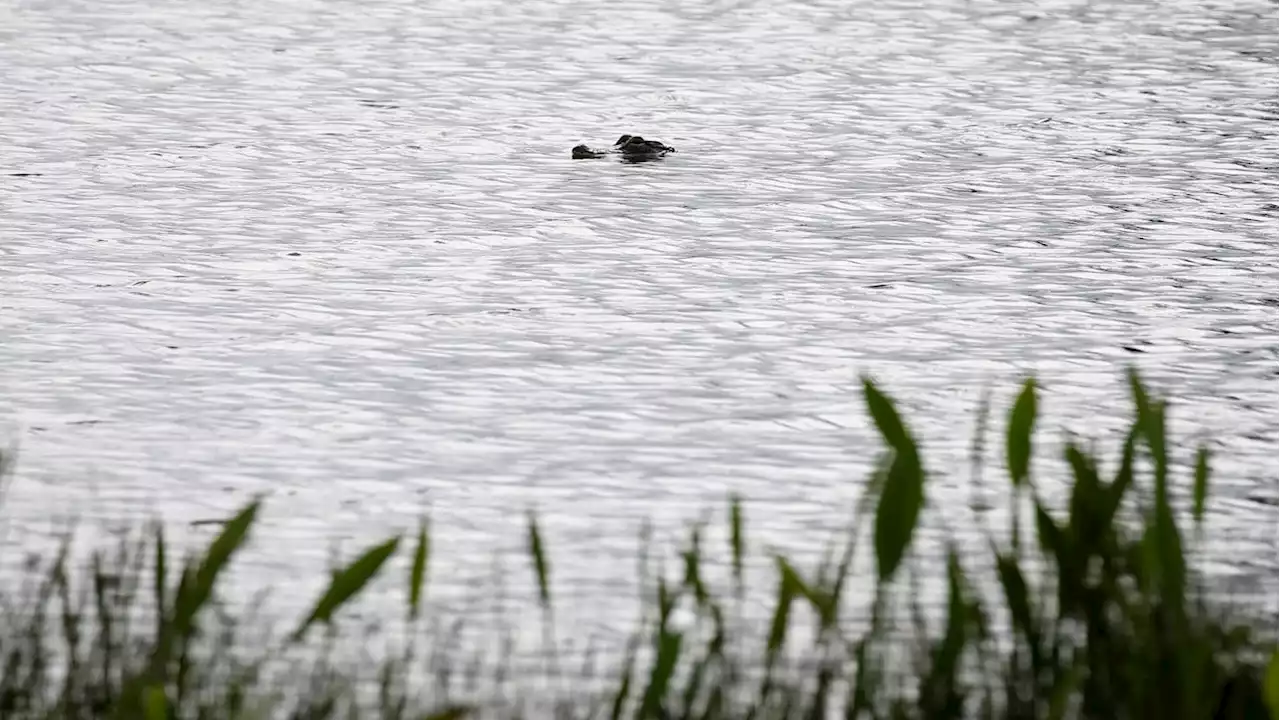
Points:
(336, 252)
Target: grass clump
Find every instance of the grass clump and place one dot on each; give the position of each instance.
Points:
(1091, 611)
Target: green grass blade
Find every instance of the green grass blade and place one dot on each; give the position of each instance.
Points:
(1054, 540)
(940, 688)
(1150, 421)
(1201, 491)
(835, 590)
(160, 582)
(1022, 421)
(693, 568)
(867, 684)
(1168, 539)
(1087, 496)
(787, 591)
(540, 566)
(666, 603)
(872, 489)
(887, 421)
(177, 626)
(902, 493)
(663, 668)
(817, 598)
(1017, 599)
(737, 541)
(155, 705)
(896, 517)
(695, 683)
(1154, 428)
(623, 694)
(1271, 685)
(232, 538)
(347, 583)
(418, 571)
(1137, 389)
(1123, 479)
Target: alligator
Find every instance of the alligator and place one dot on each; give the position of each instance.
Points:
(632, 148)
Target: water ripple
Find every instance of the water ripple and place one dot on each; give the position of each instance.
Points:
(337, 252)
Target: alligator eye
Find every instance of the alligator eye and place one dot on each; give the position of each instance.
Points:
(623, 140)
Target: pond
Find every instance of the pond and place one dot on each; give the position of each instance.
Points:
(337, 253)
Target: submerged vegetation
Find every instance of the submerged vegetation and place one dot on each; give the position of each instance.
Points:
(1095, 611)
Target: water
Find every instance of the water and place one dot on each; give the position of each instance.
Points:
(336, 252)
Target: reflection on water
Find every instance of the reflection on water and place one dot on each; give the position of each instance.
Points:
(338, 252)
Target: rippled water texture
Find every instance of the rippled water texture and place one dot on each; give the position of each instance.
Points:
(337, 252)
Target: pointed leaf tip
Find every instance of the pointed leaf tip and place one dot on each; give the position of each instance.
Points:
(418, 571)
(737, 542)
(540, 565)
(347, 583)
(901, 484)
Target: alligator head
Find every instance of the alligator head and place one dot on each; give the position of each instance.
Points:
(631, 148)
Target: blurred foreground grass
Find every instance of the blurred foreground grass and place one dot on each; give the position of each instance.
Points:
(1098, 614)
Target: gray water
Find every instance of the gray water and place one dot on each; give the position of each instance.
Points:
(336, 252)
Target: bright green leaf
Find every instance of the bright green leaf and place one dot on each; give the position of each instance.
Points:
(664, 667)
(1022, 421)
(1271, 685)
(787, 592)
(902, 493)
(347, 583)
(155, 704)
(232, 538)
(418, 571)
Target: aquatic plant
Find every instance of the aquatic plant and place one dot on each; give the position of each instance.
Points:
(1098, 613)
